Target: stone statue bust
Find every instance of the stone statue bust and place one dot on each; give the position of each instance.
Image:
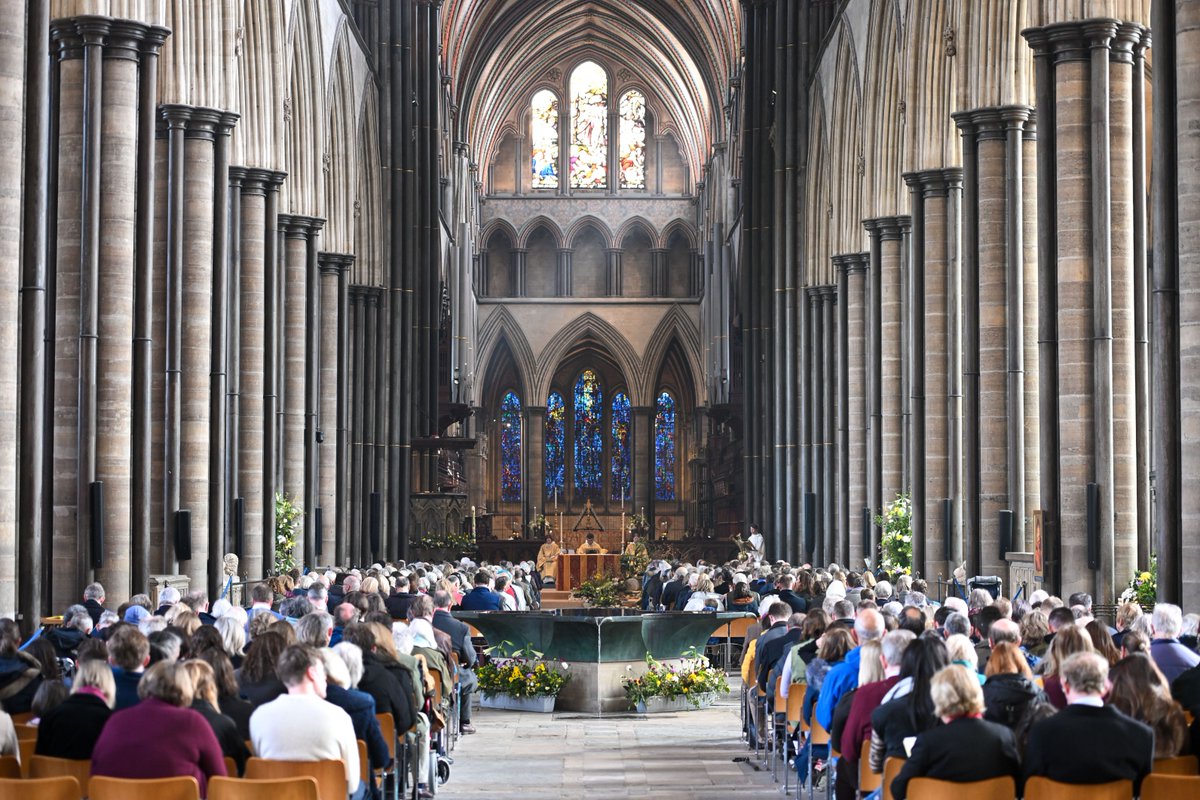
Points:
(231, 564)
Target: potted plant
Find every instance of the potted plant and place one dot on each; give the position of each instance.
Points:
(663, 687)
(523, 681)
(286, 515)
(896, 542)
(599, 591)
(1143, 587)
(445, 545)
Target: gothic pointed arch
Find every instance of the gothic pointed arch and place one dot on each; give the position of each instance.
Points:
(677, 226)
(261, 77)
(579, 226)
(303, 122)
(368, 202)
(589, 327)
(501, 332)
(818, 206)
(675, 335)
(498, 225)
(847, 144)
(883, 189)
(339, 155)
(636, 223)
(541, 221)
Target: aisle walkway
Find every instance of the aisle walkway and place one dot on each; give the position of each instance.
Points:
(660, 756)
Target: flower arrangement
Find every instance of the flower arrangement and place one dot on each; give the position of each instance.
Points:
(896, 543)
(634, 564)
(537, 524)
(692, 680)
(286, 515)
(638, 522)
(523, 674)
(452, 542)
(1143, 587)
(599, 591)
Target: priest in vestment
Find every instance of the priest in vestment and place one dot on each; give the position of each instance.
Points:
(636, 547)
(547, 561)
(590, 547)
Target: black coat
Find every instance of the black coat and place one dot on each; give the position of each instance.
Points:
(261, 693)
(233, 744)
(397, 604)
(70, 729)
(388, 690)
(772, 651)
(1009, 697)
(1186, 689)
(94, 611)
(1085, 744)
(66, 641)
(963, 751)
(670, 592)
(20, 677)
(893, 722)
(799, 604)
(239, 711)
(460, 636)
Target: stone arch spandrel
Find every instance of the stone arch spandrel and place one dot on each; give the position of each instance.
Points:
(930, 77)
(583, 223)
(847, 149)
(501, 327)
(339, 156)
(592, 326)
(675, 328)
(368, 210)
(540, 221)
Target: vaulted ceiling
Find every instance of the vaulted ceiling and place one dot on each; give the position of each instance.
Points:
(496, 51)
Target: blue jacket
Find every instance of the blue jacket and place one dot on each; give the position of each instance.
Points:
(841, 679)
(127, 683)
(1172, 658)
(481, 598)
(361, 708)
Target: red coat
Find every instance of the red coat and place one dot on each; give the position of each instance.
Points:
(858, 724)
(155, 739)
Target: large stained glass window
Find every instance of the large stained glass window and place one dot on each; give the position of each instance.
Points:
(589, 436)
(621, 486)
(589, 127)
(510, 448)
(633, 140)
(544, 135)
(664, 447)
(556, 459)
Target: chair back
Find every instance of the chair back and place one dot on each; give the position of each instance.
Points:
(183, 787)
(364, 771)
(795, 706)
(891, 768)
(231, 767)
(1002, 788)
(1180, 765)
(10, 767)
(25, 731)
(330, 774)
(50, 767)
(22, 718)
(819, 734)
(868, 780)
(1157, 786)
(387, 727)
(62, 788)
(780, 700)
(26, 748)
(301, 787)
(475, 634)
(1039, 788)
(738, 627)
(436, 675)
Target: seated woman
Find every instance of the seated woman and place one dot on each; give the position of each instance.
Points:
(962, 652)
(160, 737)
(834, 645)
(1067, 642)
(257, 681)
(20, 673)
(705, 598)
(205, 700)
(1141, 691)
(967, 747)
(70, 730)
(907, 710)
(1009, 692)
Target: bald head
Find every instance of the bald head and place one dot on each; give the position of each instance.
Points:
(1004, 630)
(869, 625)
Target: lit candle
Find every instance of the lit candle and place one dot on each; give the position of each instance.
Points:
(555, 497)
(472, 524)
(622, 502)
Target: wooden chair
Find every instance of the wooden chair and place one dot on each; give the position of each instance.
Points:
(26, 748)
(26, 731)
(868, 780)
(1180, 765)
(330, 774)
(49, 767)
(736, 629)
(301, 787)
(1157, 786)
(250, 747)
(780, 709)
(10, 767)
(22, 718)
(819, 737)
(1003, 788)
(231, 767)
(183, 787)
(61, 788)
(793, 721)
(1039, 788)
(364, 772)
(891, 768)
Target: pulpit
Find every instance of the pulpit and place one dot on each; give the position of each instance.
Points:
(575, 568)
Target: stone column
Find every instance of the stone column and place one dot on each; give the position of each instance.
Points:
(841, 546)
(252, 331)
(890, 235)
(830, 490)
(641, 439)
(1090, 87)
(660, 281)
(271, 270)
(519, 260)
(293, 357)
(564, 273)
(333, 266)
(1002, 323)
(312, 397)
(856, 266)
(812, 363)
(936, 397)
(535, 437)
(614, 278)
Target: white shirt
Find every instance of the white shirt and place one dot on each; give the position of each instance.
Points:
(295, 727)
(698, 600)
(756, 541)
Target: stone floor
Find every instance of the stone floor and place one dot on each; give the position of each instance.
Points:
(687, 755)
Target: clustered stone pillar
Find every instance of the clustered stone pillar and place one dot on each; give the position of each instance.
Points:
(830, 458)
(1085, 97)
(1000, 339)
(333, 268)
(936, 370)
(887, 241)
(563, 282)
(519, 258)
(614, 279)
(659, 277)
(812, 364)
(855, 267)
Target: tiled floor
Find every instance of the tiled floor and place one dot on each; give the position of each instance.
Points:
(688, 755)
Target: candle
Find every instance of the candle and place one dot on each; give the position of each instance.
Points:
(472, 524)
(622, 531)
(555, 497)
(622, 503)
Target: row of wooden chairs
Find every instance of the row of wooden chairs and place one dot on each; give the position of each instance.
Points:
(1155, 787)
(66, 787)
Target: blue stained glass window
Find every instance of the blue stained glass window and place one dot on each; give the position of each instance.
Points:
(589, 436)
(664, 447)
(556, 459)
(510, 448)
(620, 447)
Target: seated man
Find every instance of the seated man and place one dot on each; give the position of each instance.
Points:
(1088, 741)
(547, 561)
(589, 546)
(482, 598)
(326, 731)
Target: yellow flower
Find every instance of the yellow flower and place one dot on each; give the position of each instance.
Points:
(1145, 576)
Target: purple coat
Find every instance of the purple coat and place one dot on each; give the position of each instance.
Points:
(155, 739)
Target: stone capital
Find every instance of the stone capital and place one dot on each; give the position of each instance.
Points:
(886, 228)
(293, 227)
(852, 263)
(334, 263)
(993, 122)
(237, 177)
(828, 292)
(64, 33)
(254, 180)
(1127, 42)
(93, 30)
(124, 40)
(156, 36)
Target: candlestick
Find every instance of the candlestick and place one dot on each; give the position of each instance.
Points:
(556, 498)
(622, 531)
(472, 524)
(622, 500)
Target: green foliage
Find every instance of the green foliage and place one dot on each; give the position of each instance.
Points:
(599, 591)
(446, 543)
(896, 542)
(1143, 587)
(286, 515)
(525, 673)
(538, 524)
(692, 679)
(633, 565)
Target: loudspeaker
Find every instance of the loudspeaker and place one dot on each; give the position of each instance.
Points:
(239, 525)
(948, 529)
(183, 535)
(375, 512)
(866, 534)
(96, 531)
(318, 523)
(810, 525)
(1093, 525)
(1006, 532)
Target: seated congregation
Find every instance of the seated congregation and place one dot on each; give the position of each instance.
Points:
(362, 677)
(869, 690)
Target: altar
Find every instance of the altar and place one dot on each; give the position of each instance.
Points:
(575, 568)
